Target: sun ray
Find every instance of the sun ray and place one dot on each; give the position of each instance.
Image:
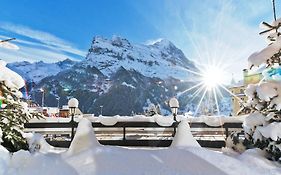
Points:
(196, 93)
(235, 96)
(196, 73)
(218, 90)
(199, 104)
(193, 87)
(216, 100)
(192, 40)
(212, 66)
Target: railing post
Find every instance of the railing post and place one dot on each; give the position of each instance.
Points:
(175, 130)
(124, 133)
(72, 126)
(226, 132)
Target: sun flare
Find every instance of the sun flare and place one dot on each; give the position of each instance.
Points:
(213, 77)
(212, 80)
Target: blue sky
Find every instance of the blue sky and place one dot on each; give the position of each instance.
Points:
(213, 30)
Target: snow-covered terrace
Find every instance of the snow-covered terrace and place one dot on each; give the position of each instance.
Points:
(139, 130)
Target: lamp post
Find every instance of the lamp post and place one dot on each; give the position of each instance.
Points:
(174, 105)
(101, 110)
(58, 99)
(72, 104)
(43, 95)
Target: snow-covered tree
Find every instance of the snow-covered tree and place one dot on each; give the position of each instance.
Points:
(153, 110)
(13, 111)
(262, 128)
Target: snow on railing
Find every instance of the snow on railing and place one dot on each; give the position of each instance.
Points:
(141, 130)
(159, 119)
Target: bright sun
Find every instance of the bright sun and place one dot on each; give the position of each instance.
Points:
(212, 81)
(213, 77)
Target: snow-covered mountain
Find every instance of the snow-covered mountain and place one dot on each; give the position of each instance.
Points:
(37, 71)
(122, 77)
(161, 59)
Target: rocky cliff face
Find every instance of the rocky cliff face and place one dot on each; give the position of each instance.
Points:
(162, 59)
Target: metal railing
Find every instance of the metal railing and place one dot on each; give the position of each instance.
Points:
(135, 133)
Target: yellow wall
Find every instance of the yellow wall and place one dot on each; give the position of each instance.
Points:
(238, 91)
(252, 78)
(239, 94)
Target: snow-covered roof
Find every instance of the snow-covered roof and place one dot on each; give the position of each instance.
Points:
(240, 83)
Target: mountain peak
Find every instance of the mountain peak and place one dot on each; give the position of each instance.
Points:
(120, 42)
(150, 60)
(115, 41)
(163, 42)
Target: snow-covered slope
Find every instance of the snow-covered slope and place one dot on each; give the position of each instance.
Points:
(37, 71)
(162, 59)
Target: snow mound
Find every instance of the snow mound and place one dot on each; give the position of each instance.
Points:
(259, 58)
(213, 121)
(256, 158)
(163, 121)
(10, 78)
(254, 119)
(24, 163)
(108, 121)
(4, 159)
(250, 91)
(266, 91)
(233, 165)
(37, 143)
(183, 137)
(141, 118)
(84, 138)
(256, 60)
(273, 131)
(116, 160)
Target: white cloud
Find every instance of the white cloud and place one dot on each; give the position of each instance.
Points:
(32, 55)
(41, 45)
(44, 37)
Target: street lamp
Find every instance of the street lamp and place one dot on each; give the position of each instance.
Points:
(174, 105)
(101, 110)
(58, 99)
(43, 95)
(72, 105)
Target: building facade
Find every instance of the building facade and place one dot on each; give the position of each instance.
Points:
(238, 90)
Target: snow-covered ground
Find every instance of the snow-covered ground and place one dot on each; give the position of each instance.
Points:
(86, 156)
